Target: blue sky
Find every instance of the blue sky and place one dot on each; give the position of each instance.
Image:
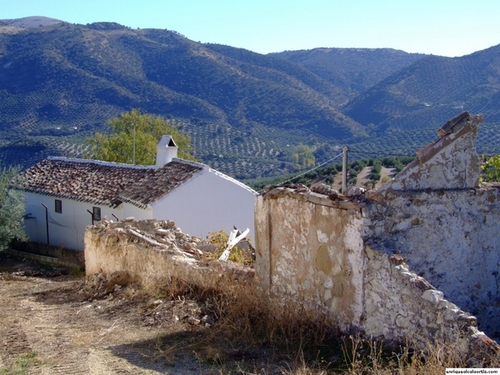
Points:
(439, 27)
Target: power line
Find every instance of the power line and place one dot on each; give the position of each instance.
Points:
(310, 170)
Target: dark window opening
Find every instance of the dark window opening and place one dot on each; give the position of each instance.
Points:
(96, 211)
(58, 206)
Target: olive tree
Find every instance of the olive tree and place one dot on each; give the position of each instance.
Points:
(303, 156)
(12, 208)
(133, 139)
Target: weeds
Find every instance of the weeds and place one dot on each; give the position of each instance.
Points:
(78, 271)
(364, 356)
(245, 334)
(238, 255)
(247, 337)
(22, 364)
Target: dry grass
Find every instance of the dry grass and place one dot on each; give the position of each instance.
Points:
(241, 336)
(238, 255)
(247, 338)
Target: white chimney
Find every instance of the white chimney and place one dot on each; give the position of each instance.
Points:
(166, 150)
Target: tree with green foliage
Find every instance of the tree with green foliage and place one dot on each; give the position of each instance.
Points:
(491, 169)
(303, 156)
(12, 208)
(133, 139)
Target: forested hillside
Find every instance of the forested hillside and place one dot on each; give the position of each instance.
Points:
(249, 114)
(77, 75)
(432, 89)
(355, 70)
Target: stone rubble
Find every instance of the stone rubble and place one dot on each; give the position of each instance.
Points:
(147, 251)
(163, 234)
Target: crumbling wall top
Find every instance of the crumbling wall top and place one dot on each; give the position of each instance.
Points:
(321, 194)
(450, 162)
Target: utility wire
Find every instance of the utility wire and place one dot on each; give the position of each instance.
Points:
(310, 170)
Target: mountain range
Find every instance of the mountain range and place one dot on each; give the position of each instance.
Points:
(246, 112)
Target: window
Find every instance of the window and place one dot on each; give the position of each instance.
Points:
(96, 211)
(58, 207)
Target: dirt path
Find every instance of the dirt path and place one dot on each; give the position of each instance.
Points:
(49, 326)
(363, 177)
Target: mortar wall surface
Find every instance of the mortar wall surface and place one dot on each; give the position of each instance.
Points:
(449, 237)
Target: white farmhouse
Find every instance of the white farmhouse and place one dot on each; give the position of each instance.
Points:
(66, 195)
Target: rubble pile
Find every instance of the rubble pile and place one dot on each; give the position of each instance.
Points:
(110, 293)
(100, 285)
(168, 312)
(163, 234)
(148, 252)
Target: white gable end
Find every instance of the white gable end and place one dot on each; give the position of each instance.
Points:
(209, 202)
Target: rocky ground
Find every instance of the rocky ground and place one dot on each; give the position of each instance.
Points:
(53, 322)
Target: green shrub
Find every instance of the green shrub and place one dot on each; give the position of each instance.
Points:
(491, 169)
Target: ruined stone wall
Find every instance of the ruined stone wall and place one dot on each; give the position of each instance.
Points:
(313, 258)
(399, 303)
(315, 254)
(437, 215)
(450, 237)
(349, 256)
(450, 162)
(310, 251)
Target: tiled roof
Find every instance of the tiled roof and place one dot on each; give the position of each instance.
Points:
(105, 183)
(160, 183)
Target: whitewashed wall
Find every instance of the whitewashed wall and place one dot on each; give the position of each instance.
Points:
(209, 202)
(67, 229)
(127, 210)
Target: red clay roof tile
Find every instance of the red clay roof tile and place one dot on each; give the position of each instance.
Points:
(106, 183)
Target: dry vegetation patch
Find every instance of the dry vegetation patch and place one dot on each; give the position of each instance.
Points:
(63, 324)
